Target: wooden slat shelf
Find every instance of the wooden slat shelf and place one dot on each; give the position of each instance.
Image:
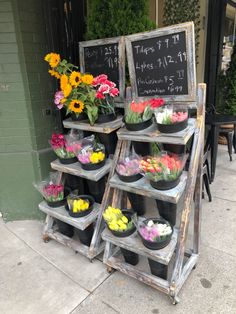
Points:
(107, 127)
(151, 134)
(143, 187)
(133, 271)
(61, 214)
(134, 243)
(76, 170)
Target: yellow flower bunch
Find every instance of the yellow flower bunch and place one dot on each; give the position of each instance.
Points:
(97, 157)
(77, 91)
(80, 205)
(116, 220)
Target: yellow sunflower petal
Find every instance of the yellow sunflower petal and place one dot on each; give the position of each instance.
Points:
(76, 106)
(67, 90)
(63, 81)
(75, 78)
(87, 79)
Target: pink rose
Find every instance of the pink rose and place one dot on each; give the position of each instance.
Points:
(109, 83)
(100, 95)
(114, 92)
(104, 89)
(100, 79)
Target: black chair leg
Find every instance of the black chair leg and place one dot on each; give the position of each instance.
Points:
(208, 170)
(206, 182)
(229, 137)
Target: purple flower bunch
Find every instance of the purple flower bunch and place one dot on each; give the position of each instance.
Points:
(155, 231)
(128, 166)
(84, 158)
(58, 98)
(53, 192)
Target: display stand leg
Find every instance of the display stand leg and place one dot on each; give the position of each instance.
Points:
(47, 228)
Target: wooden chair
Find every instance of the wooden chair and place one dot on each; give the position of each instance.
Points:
(206, 168)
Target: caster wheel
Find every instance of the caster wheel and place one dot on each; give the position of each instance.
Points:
(194, 267)
(46, 238)
(109, 269)
(175, 300)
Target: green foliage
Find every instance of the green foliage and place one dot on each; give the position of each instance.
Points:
(180, 11)
(226, 88)
(110, 18)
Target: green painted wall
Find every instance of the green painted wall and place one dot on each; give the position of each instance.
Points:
(25, 93)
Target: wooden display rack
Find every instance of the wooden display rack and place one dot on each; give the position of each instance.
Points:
(190, 187)
(61, 214)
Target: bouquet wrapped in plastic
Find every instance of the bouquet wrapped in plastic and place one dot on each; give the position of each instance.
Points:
(129, 165)
(91, 153)
(65, 146)
(52, 188)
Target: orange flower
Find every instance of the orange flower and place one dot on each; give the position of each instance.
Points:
(67, 90)
(54, 73)
(53, 59)
(87, 79)
(63, 81)
(138, 107)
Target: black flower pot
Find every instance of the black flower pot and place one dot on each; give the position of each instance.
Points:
(165, 185)
(65, 229)
(124, 234)
(172, 128)
(167, 211)
(158, 269)
(137, 203)
(142, 149)
(61, 202)
(86, 235)
(80, 117)
(132, 178)
(67, 161)
(130, 257)
(75, 183)
(138, 126)
(161, 243)
(109, 141)
(91, 167)
(82, 213)
(97, 188)
(103, 118)
(173, 148)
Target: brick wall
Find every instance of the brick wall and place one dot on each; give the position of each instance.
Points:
(25, 93)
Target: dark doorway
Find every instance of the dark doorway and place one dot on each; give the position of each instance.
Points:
(65, 24)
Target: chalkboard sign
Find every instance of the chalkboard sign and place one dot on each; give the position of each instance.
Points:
(162, 63)
(105, 56)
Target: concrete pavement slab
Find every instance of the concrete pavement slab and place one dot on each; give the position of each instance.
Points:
(88, 275)
(31, 285)
(224, 185)
(209, 289)
(218, 225)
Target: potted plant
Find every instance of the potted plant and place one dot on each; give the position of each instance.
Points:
(170, 120)
(163, 171)
(105, 92)
(128, 169)
(62, 149)
(156, 234)
(121, 225)
(92, 156)
(79, 206)
(138, 115)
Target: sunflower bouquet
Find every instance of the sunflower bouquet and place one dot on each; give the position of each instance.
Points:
(80, 93)
(76, 92)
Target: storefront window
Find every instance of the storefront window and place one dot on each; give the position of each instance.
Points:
(229, 34)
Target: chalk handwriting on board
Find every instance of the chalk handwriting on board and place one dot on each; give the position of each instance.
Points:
(103, 59)
(161, 65)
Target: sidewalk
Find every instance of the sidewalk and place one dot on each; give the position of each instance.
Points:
(48, 278)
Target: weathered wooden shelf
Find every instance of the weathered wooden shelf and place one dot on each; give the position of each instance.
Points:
(144, 188)
(134, 243)
(106, 127)
(61, 214)
(151, 134)
(75, 245)
(76, 170)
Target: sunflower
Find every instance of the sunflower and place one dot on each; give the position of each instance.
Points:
(76, 106)
(87, 79)
(63, 81)
(75, 78)
(53, 59)
(67, 90)
(54, 73)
